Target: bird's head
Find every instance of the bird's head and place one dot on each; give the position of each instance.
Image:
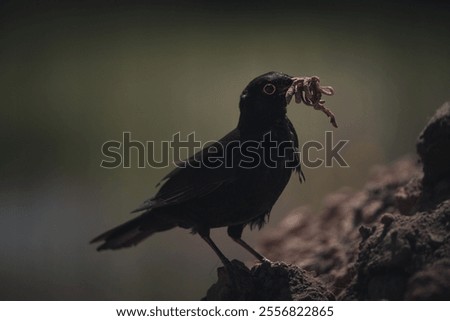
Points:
(263, 101)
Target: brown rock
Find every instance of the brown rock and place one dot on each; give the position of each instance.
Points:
(267, 281)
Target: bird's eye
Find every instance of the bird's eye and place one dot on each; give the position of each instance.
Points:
(269, 89)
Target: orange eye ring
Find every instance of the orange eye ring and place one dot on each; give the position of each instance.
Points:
(269, 89)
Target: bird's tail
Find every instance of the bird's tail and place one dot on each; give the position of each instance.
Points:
(133, 232)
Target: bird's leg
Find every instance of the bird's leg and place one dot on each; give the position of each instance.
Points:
(235, 232)
(204, 233)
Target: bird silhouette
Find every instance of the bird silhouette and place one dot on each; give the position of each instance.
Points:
(232, 183)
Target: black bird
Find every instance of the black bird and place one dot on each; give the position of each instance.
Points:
(257, 160)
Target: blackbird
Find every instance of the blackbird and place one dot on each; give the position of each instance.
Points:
(234, 182)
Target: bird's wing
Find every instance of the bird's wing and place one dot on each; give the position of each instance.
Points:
(191, 181)
(298, 166)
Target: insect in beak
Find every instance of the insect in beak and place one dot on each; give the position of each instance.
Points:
(309, 91)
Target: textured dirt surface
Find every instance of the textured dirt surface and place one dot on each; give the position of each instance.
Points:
(390, 240)
(267, 281)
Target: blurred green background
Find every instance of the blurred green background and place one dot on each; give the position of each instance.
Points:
(76, 74)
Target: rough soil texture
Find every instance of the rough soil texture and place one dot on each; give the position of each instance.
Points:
(388, 241)
(267, 281)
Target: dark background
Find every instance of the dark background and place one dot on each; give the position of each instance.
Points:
(76, 74)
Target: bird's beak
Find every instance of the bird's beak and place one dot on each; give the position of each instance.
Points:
(289, 91)
(293, 79)
(284, 90)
